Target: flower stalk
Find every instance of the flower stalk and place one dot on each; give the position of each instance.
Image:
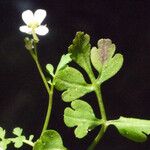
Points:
(33, 26)
(48, 89)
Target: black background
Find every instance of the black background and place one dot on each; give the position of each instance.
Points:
(23, 99)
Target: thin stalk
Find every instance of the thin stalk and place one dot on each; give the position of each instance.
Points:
(28, 142)
(50, 94)
(50, 103)
(48, 89)
(90, 74)
(100, 103)
(103, 116)
(98, 138)
(42, 76)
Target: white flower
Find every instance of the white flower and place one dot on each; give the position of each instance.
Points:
(33, 22)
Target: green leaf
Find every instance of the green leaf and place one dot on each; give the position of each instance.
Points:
(17, 131)
(103, 60)
(50, 140)
(95, 59)
(65, 59)
(2, 133)
(102, 54)
(132, 128)
(81, 115)
(31, 137)
(50, 69)
(111, 68)
(72, 82)
(80, 51)
(3, 141)
(18, 141)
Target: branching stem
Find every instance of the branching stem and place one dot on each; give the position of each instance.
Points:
(97, 138)
(103, 116)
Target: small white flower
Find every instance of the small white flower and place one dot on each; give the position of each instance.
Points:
(33, 22)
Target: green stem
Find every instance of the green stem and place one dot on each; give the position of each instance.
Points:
(100, 103)
(42, 75)
(91, 74)
(48, 89)
(28, 142)
(50, 93)
(50, 103)
(98, 138)
(103, 116)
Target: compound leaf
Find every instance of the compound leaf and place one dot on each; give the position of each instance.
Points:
(72, 82)
(80, 51)
(18, 141)
(82, 116)
(50, 140)
(132, 128)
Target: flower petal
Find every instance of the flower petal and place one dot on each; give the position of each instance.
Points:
(39, 15)
(25, 29)
(27, 16)
(42, 30)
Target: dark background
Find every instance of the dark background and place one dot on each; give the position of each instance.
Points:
(23, 99)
